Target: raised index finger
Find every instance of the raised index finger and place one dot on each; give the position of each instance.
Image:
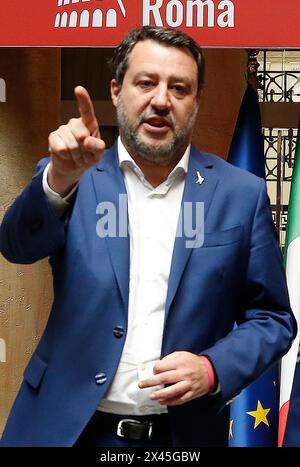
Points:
(86, 110)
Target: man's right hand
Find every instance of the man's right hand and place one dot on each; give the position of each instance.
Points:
(74, 147)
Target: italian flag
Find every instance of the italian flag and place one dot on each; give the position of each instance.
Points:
(292, 265)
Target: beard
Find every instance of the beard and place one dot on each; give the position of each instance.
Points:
(158, 152)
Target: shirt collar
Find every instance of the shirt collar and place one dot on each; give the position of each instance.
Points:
(126, 160)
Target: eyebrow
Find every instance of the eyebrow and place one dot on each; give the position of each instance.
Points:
(173, 78)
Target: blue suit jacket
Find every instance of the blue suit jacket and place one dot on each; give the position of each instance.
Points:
(236, 276)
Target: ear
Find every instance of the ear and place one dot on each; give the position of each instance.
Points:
(114, 91)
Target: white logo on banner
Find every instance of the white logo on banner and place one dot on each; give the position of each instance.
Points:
(174, 13)
(100, 17)
(2, 90)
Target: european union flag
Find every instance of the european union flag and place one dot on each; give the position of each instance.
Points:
(247, 146)
(254, 413)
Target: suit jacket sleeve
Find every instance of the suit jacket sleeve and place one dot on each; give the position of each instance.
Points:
(30, 229)
(265, 325)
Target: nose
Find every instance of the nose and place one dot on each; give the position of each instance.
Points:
(160, 99)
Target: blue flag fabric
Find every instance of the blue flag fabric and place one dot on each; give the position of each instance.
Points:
(254, 413)
(247, 146)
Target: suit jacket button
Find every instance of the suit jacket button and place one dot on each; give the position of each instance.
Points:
(119, 331)
(100, 378)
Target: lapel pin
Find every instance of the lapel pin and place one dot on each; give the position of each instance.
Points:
(200, 179)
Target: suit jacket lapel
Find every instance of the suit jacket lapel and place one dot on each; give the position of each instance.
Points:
(193, 192)
(109, 184)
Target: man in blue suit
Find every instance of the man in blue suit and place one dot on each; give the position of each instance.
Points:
(157, 250)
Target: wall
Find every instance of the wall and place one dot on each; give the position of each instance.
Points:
(224, 88)
(32, 79)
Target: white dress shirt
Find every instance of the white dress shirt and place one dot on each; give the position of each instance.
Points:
(153, 216)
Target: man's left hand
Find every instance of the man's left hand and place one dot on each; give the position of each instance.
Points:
(185, 376)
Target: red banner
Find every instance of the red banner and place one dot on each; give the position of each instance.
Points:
(236, 23)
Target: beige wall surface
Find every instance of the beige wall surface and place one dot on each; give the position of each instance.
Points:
(224, 88)
(32, 78)
(32, 110)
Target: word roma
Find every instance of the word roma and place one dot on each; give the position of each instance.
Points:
(189, 13)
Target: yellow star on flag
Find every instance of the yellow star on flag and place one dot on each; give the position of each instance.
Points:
(230, 429)
(260, 415)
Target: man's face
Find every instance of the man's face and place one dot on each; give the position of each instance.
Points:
(157, 104)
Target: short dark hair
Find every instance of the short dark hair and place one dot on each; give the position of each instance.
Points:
(163, 35)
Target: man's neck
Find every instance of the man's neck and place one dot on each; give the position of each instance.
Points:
(155, 173)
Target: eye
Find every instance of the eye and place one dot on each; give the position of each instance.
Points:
(179, 89)
(146, 84)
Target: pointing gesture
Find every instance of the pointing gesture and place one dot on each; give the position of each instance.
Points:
(86, 110)
(75, 147)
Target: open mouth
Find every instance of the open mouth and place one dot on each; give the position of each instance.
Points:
(157, 124)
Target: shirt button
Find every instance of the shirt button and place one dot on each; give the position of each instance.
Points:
(100, 378)
(119, 331)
